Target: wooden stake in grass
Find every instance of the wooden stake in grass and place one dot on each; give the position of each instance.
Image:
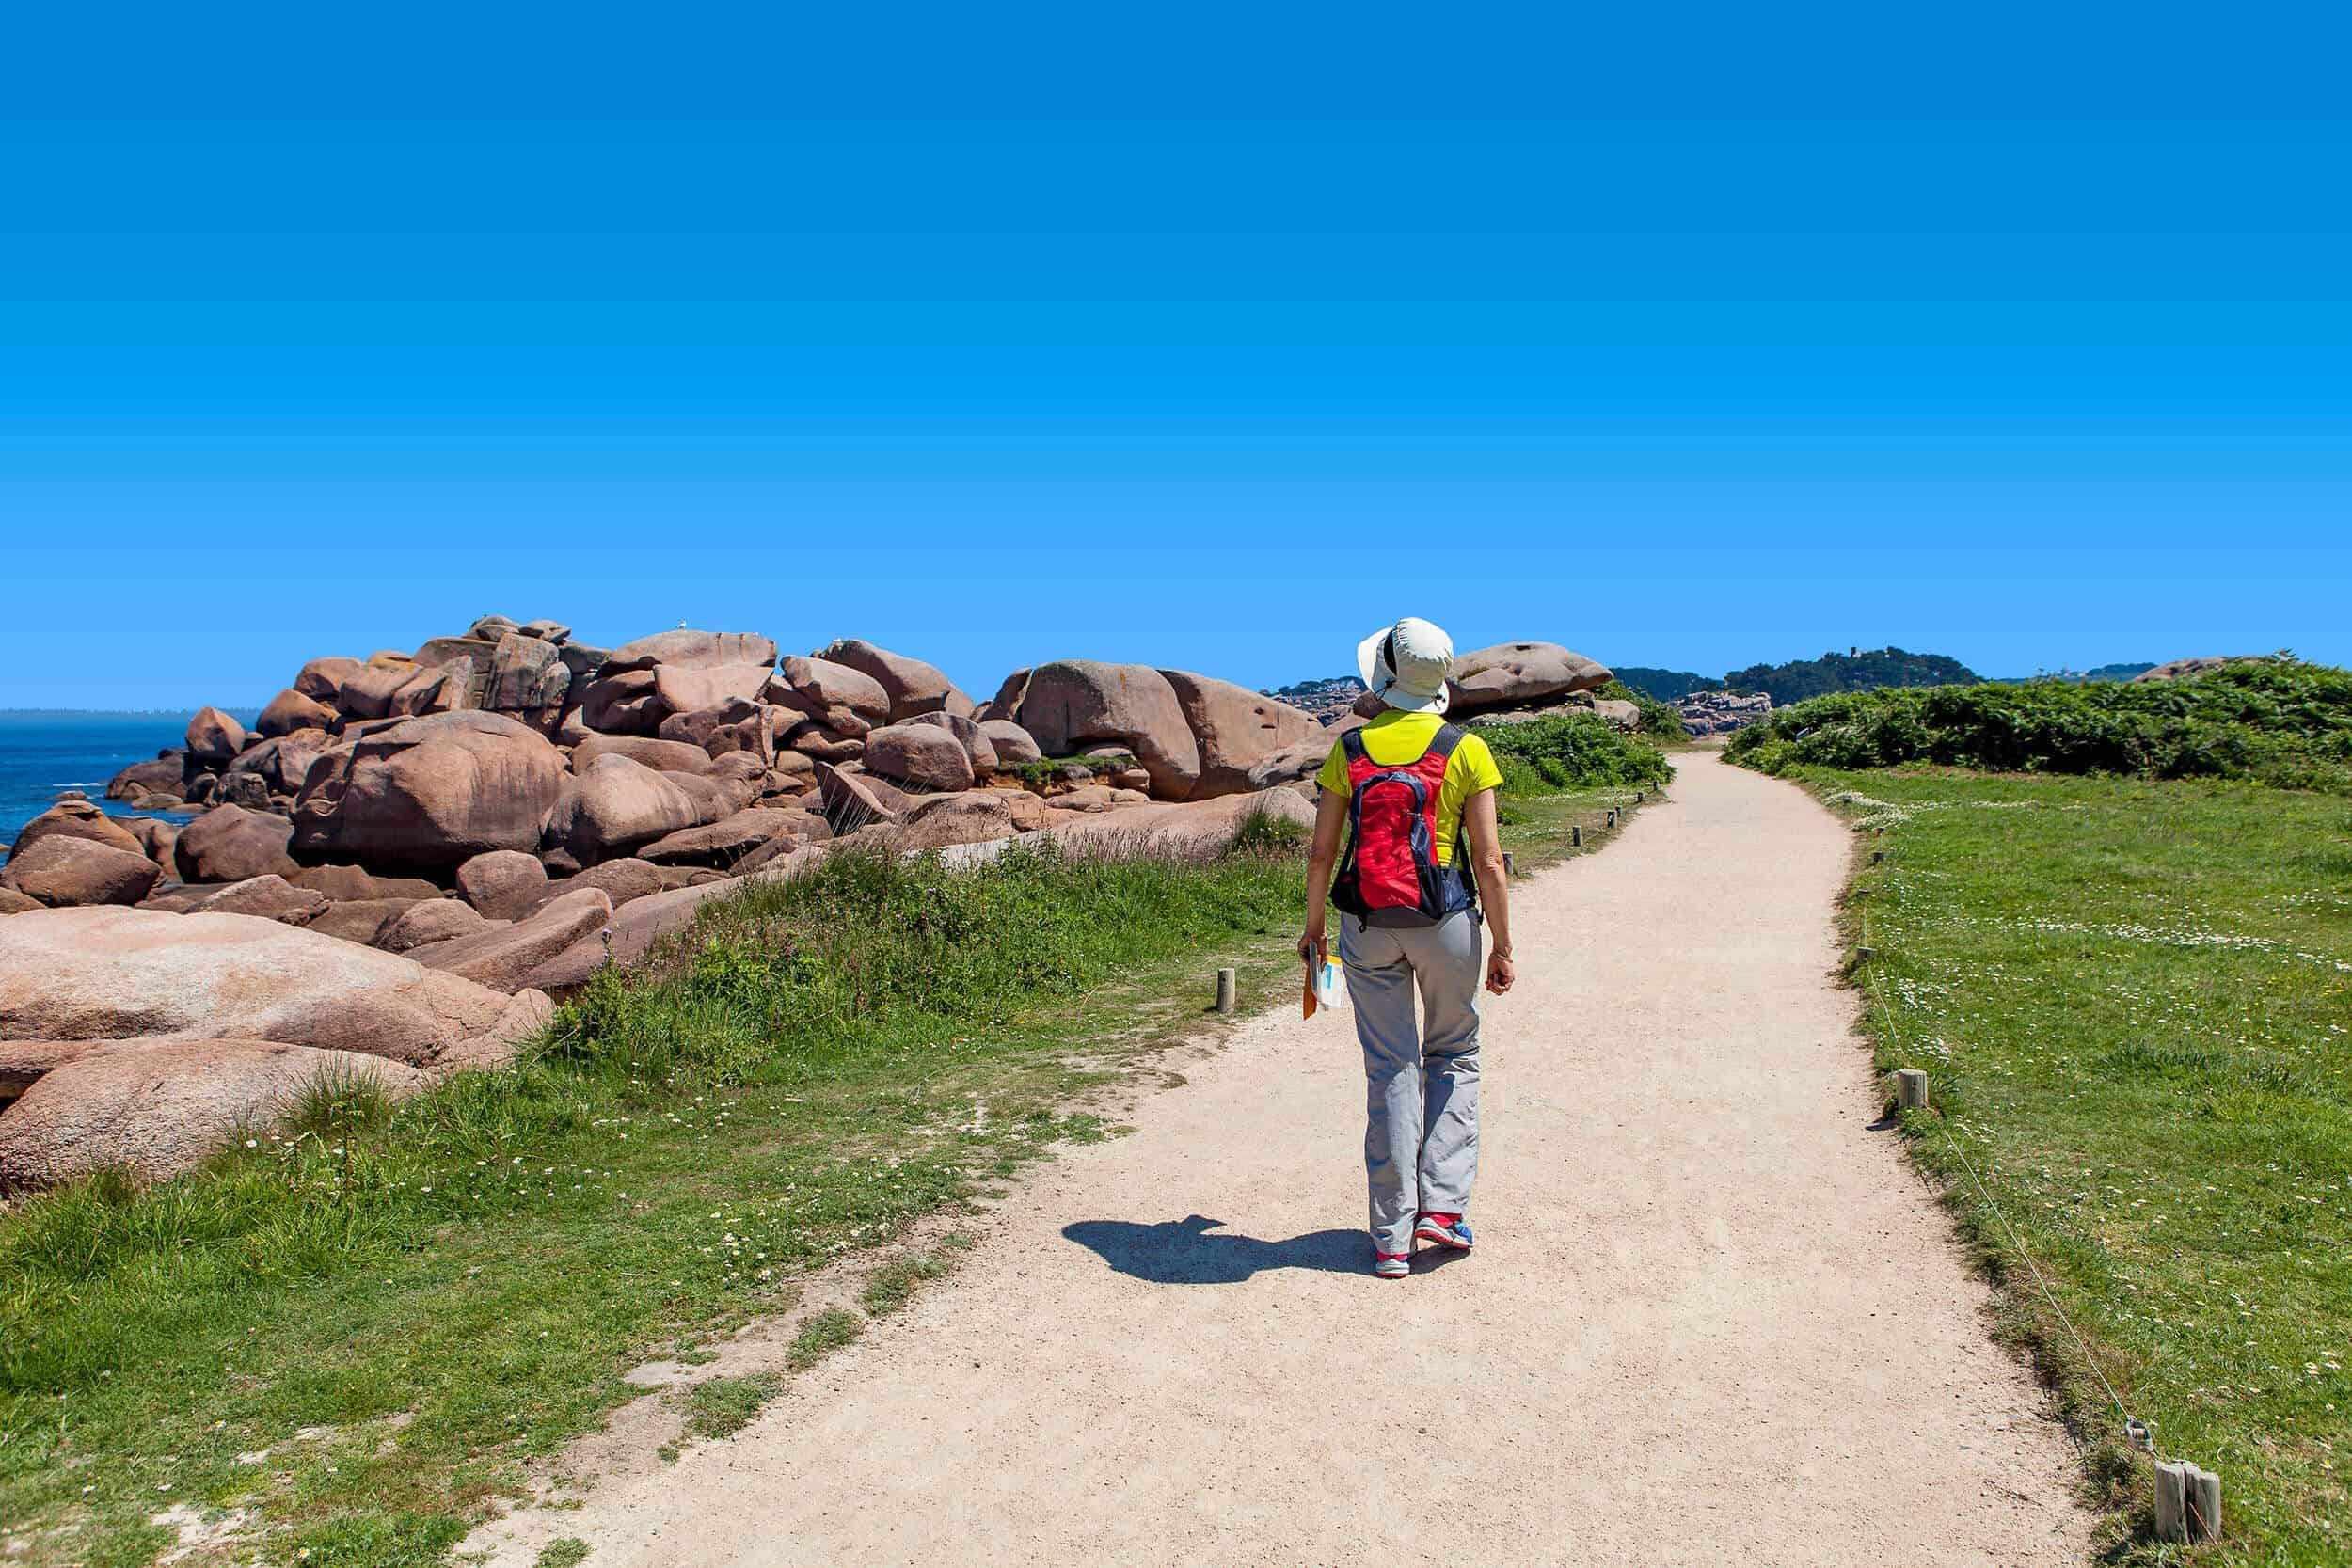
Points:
(1910, 1088)
(1224, 991)
(1576, 836)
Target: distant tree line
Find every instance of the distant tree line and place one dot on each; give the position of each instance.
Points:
(1861, 669)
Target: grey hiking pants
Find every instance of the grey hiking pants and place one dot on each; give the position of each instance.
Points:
(1421, 1143)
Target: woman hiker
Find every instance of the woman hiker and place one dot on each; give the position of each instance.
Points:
(1409, 787)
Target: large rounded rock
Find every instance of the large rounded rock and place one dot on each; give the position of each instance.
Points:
(926, 756)
(722, 843)
(1234, 729)
(854, 801)
(848, 702)
(1509, 673)
(363, 920)
(161, 775)
(111, 973)
(433, 791)
(61, 870)
(290, 710)
(504, 884)
(228, 844)
(77, 819)
(161, 1107)
(2187, 669)
(500, 958)
(269, 897)
(524, 675)
(726, 728)
(975, 816)
(684, 690)
(1012, 744)
(662, 756)
(428, 921)
(620, 880)
(215, 738)
(323, 678)
(977, 743)
(157, 840)
(912, 686)
(626, 702)
(614, 805)
(692, 650)
(1073, 703)
(390, 690)
(280, 764)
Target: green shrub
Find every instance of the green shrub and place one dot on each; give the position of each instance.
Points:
(2275, 722)
(1575, 750)
(1658, 720)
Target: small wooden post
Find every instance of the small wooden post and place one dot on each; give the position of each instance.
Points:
(1864, 954)
(1877, 855)
(2205, 1504)
(1640, 795)
(1224, 991)
(2172, 1501)
(1910, 1088)
(1613, 817)
(1506, 864)
(1576, 836)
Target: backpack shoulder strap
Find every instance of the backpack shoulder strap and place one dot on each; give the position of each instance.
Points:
(1352, 742)
(1442, 743)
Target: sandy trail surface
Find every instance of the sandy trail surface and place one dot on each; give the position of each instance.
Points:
(1712, 1317)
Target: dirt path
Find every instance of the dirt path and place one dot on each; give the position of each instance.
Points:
(1711, 1319)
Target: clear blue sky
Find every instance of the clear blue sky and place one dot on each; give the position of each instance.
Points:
(1209, 336)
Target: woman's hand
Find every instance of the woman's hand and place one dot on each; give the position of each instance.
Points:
(1310, 943)
(1499, 971)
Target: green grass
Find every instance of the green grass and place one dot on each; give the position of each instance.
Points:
(451, 1288)
(892, 1286)
(2133, 1001)
(722, 1407)
(824, 1333)
(564, 1553)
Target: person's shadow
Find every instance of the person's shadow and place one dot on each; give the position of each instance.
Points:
(1191, 1252)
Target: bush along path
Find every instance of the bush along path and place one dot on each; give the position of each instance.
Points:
(1711, 1318)
(342, 1343)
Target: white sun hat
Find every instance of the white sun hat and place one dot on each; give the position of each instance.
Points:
(1405, 665)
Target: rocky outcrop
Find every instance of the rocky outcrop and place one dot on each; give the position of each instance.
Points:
(268, 897)
(1706, 713)
(214, 736)
(62, 871)
(503, 884)
(290, 710)
(161, 1107)
(1073, 703)
(927, 756)
(428, 921)
(230, 844)
(847, 702)
(434, 791)
(614, 805)
(115, 973)
(1234, 729)
(1511, 674)
(910, 686)
(500, 958)
(77, 819)
(2181, 668)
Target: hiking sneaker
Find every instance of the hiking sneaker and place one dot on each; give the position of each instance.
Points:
(1445, 1231)
(1393, 1265)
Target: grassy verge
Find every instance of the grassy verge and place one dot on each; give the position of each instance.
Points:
(360, 1332)
(2131, 998)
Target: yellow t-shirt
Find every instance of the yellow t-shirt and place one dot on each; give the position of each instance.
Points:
(1396, 737)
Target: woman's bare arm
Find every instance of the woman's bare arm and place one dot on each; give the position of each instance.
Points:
(1494, 890)
(1330, 818)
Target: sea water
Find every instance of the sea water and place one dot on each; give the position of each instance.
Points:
(41, 755)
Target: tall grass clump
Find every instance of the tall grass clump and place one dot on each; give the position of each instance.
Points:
(1575, 750)
(2273, 722)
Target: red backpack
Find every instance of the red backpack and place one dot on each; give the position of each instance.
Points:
(1390, 875)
